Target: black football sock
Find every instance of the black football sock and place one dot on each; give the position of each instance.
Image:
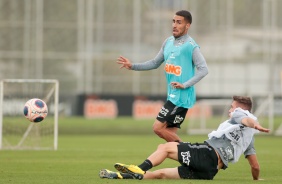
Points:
(126, 176)
(146, 165)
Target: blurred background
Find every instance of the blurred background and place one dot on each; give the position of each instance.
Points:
(78, 41)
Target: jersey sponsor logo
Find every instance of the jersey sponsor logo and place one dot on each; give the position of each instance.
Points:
(227, 153)
(178, 119)
(223, 153)
(186, 157)
(173, 69)
(235, 136)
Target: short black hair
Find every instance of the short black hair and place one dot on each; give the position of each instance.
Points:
(186, 14)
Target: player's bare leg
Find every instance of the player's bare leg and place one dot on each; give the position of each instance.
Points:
(167, 173)
(168, 134)
(164, 151)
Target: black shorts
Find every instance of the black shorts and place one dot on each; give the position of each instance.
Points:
(198, 161)
(172, 115)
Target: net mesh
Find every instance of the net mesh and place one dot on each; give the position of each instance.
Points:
(17, 131)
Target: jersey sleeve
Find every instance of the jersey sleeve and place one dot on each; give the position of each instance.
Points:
(237, 116)
(201, 66)
(151, 64)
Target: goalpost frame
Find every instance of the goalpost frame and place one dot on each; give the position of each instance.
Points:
(56, 101)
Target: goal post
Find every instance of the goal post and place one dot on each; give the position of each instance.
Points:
(16, 132)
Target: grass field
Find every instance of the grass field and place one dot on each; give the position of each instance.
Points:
(86, 146)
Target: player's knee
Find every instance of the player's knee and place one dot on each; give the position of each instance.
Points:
(162, 146)
(256, 168)
(158, 131)
(162, 175)
(166, 146)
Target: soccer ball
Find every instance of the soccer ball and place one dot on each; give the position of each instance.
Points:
(35, 110)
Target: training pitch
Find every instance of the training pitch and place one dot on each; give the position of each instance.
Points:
(82, 153)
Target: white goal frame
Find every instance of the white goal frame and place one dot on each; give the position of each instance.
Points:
(54, 91)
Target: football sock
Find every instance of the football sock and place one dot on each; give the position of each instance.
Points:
(126, 176)
(146, 165)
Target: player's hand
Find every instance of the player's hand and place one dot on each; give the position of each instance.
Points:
(177, 85)
(124, 62)
(261, 129)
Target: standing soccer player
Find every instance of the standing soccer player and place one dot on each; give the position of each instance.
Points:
(180, 55)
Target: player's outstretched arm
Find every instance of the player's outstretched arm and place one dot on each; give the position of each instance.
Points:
(249, 122)
(124, 62)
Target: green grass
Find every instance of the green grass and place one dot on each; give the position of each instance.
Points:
(126, 125)
(86, 146)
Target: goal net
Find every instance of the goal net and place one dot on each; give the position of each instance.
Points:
(16, 132)
(207, 114)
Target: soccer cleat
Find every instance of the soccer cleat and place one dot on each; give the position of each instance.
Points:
(105, 173)
(133, 170)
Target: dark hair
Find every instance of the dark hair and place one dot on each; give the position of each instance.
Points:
(186, 14)
(245, 101)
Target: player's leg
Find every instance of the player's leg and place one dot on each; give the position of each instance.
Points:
(167, 133)
(168, 121)
(181, 172)
(167, 150)
(166, 173)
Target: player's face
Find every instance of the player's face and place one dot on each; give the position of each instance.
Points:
(234, 105)
(179, 26)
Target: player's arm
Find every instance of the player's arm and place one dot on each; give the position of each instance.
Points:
(241, 117)
(147, 65)
(201, 68)
(124, 62)
(249, 122)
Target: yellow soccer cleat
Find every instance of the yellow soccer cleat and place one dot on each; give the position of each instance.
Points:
(133, 170)
(105, 173)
